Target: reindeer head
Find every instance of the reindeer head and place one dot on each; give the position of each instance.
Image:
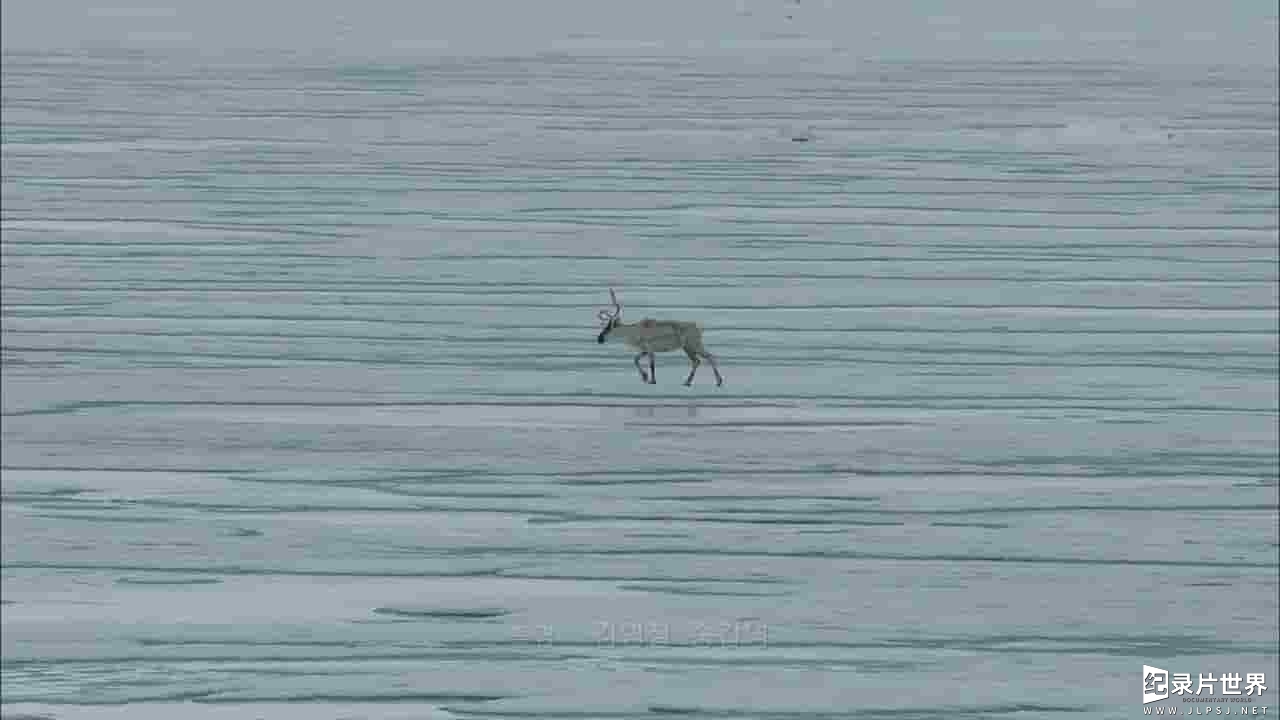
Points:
(610, 319)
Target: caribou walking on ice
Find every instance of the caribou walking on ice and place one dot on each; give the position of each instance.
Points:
(651, 336)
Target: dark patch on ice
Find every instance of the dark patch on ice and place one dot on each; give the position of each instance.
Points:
(246, 532)
(775, 424)
(821, 554)
(766, 498)
(444, 613)
(389, 697)
(239, 641)
(240, 570)
(987, 526)
(728, 516)
(822, 664)
(1088, 644)
(258, 669)
(641, 578)
(977, 711)
(656, 478)
(167, 581)
(19, 495)
(428, 492)
(708, 591)
(105, 518)
(866, 523)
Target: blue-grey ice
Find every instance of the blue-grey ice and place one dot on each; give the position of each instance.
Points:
(304, 414)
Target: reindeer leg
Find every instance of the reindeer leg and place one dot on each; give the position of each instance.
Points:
(712, 359)
(653, 372)
(641, 369)
(693, 363)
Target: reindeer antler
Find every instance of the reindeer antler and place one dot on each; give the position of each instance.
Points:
(605, 315)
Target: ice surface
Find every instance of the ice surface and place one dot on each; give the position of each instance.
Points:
(304, 416)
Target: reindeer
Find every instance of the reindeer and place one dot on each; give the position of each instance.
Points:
(651, 336)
